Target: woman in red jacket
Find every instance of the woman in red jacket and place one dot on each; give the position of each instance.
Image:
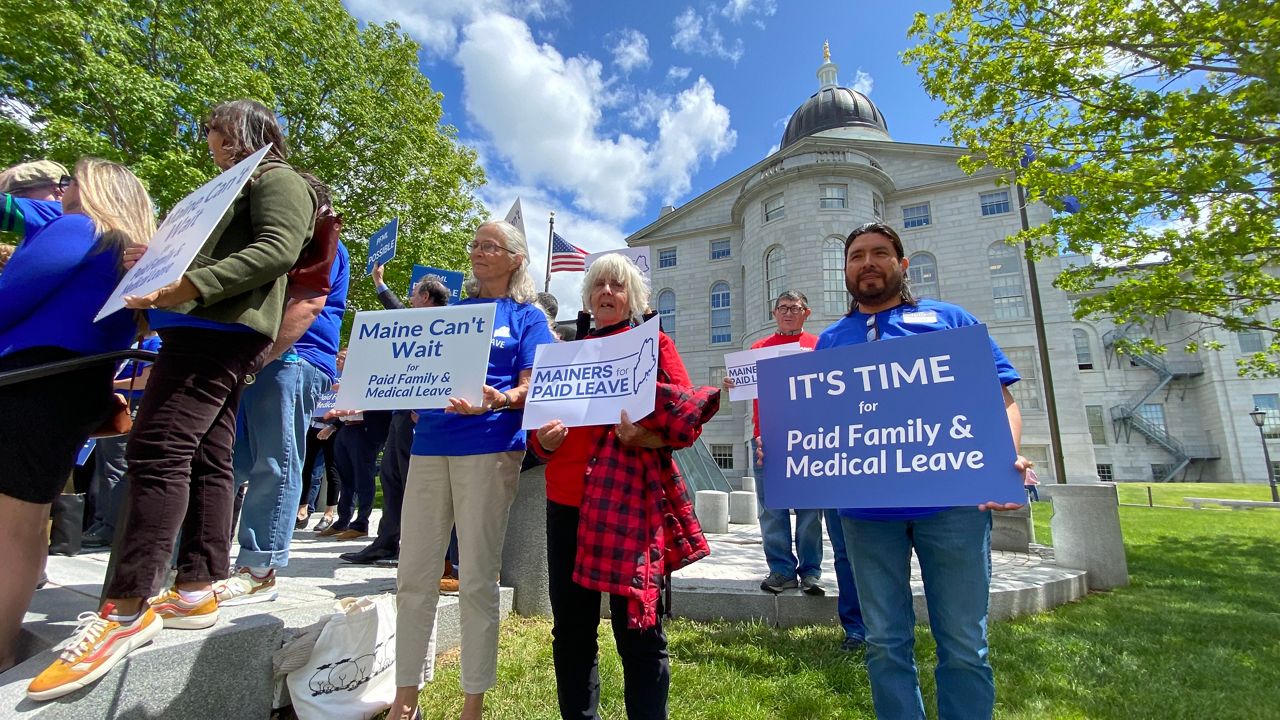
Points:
(615, 292)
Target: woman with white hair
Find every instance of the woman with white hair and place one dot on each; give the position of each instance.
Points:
(616, 294)
(463, 470)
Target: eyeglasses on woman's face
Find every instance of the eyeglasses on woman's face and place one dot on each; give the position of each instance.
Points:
(486, 247)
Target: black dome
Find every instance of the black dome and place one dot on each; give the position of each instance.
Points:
(833, 107)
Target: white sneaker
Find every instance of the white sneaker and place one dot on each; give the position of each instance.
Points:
(245, 589)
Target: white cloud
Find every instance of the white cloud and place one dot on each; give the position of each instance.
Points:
(677, 74)
(700, 36)
(863, 82)
(631, 51)
(543, 114)
(435, 23)
(736, 10)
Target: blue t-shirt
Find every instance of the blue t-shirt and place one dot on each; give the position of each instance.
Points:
(319, 344)
(519, 328)
(162, 319)
(34, 214)
(901, 321)
(131, 368)
(54, 285)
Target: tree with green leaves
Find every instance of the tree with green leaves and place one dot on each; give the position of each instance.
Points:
(131, 81)
(1170, 108)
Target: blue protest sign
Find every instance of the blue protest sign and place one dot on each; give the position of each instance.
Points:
(909, 422)
(382, 245)
(451, 279)
(82, 456)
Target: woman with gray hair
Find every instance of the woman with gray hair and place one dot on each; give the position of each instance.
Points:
(617, 295)
(463, 471)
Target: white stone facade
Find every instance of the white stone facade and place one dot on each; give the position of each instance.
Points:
(1205, 408)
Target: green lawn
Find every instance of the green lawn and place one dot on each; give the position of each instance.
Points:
(1196, 635)
(1171, 494)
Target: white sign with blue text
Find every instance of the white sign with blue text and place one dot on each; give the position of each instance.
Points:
(917, 421)
(382, 245)
(416, 359)
(182, 234)
(638, 255)
(741, 368)
(590, 382)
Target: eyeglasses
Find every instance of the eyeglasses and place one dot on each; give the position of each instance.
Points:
(64, 182)
(487, 247)
(873, 330)
(790, 309)
(204, 131)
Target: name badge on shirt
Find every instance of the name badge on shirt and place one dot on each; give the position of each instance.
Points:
(923, 317)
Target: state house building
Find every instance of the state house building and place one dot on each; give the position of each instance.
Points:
(723, 257)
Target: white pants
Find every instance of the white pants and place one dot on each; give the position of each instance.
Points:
(475, 493)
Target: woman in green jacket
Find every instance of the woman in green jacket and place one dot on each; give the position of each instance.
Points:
(217, 325)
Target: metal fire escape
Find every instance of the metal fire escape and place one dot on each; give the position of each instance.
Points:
(1128, 416)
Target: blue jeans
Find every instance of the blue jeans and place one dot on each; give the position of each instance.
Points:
(271, 431)
(847, 604)
(954, 551)
(775, 535)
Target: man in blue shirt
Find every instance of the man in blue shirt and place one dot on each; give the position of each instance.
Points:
(271, 432)
(952, 544)
(31, 196)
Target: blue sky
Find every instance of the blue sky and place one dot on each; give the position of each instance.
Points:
(606, 111)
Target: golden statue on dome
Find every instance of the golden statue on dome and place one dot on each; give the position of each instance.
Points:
(826, 51)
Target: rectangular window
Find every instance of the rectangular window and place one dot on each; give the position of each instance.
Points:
(1270, 403)
(1084, 353)
(877, 206)
(1160, 471)
(1097, 424)
(667, 258)
(774, 208)
(1250, 341)
(720, 249)
(1106, 473)
(1027, 390)
(723, 455)
(1039, 454)
(914, 216)
(994, 203)
(834, 197)
(715, 375)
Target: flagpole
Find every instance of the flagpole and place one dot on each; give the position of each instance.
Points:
(551, 227)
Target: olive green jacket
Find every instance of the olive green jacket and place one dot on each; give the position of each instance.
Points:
(241, 270)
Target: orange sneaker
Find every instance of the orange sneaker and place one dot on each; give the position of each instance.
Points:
(97, 645)
(183, 615)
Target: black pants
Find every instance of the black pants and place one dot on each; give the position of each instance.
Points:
(179, 455)
(575, 611)
(331, 482)
(357, 448)
(392, 473)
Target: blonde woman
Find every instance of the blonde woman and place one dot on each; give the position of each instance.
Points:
(51, 289)
(463, 469)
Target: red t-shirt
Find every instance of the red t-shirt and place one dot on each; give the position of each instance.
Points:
(567, 468)
(806, 341)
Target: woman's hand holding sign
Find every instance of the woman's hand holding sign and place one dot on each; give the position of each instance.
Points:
(633, 435)
(1022, 464)
(552, 435)
(171, 295)
(492, 397)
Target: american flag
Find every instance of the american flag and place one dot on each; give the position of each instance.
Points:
(566, 257)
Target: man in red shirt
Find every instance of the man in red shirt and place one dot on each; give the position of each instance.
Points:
(803, 568)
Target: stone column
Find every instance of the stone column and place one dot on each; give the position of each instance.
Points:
(524, 554)
(1086, 532)
(712, 509)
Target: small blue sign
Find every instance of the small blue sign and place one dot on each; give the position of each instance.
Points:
(382, 245)
(86, 450)
(906, 422)
(452, 280)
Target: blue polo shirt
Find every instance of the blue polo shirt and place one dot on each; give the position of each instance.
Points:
(27, 217)
(519, 328)
(319, 344)
(901, 321)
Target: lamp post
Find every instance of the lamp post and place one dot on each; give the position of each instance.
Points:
(1259, 417)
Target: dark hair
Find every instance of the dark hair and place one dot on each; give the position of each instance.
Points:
(879, 229)
(247, 125)
(793, 295)
(324, 196)
(435, 290)
(548, 302)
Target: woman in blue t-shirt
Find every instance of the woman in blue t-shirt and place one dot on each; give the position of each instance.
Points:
(463, 470)
(50, 292)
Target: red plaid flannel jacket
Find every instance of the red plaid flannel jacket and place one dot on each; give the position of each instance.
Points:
(636, 522)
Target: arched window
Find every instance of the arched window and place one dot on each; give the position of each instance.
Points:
(775, 277)
(1005, 263)
(835, 296)
(667, 311)
(1084, 352)
(922, 272)
(721, 317)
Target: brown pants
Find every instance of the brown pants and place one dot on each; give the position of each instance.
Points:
(179, 454)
